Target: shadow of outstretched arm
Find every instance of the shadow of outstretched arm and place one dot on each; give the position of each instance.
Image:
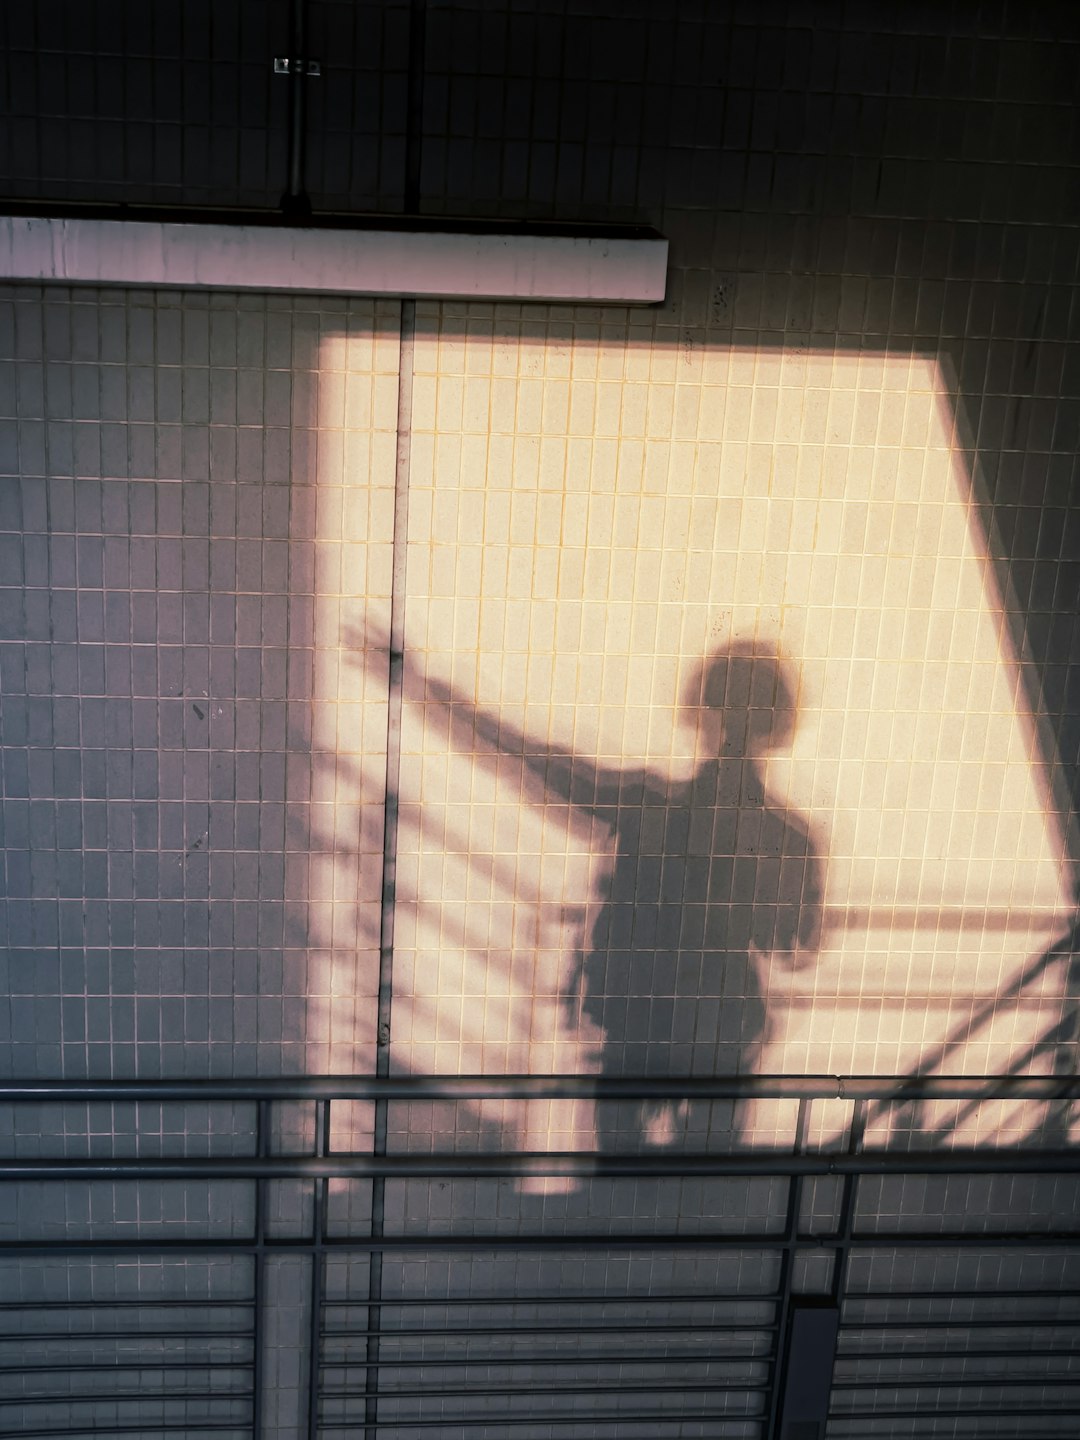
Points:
(548, 771)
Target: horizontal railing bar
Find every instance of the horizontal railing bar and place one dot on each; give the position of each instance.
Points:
(160, 1245)
(899, 1088)
(137, 1365)
(978, 1317)
(933, 1322)
(1012, 1353)
(475, 1391)
(961, 1239)
(8, 1305)
(980, 1323)
(428, 1302)
(20, 1336)
(93, 1429)
(593, 1417)
(601, 1328)
(92, 1397)
(877, 1296)
(954, 1412)
(937, 1382)
(408, 1244)
(572, 1164)
(572, 1243)
(729, 1357)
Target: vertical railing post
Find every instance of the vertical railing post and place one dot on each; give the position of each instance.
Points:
(318, 1259)
(262, 1108)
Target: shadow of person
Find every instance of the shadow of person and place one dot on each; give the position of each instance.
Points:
(713, 888)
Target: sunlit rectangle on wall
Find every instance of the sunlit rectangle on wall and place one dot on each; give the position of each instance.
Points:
(715, 752)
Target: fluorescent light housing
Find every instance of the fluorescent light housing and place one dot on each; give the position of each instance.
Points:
(403, 256)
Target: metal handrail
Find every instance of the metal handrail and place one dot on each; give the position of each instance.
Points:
(897, 1089)
(573, 1164)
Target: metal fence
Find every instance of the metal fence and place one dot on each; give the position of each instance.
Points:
(332, 1256)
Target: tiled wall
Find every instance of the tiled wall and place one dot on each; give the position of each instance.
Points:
(193, 744)
(876, 874)
(840, 457)
(195, 695)
(181, 106)
(840, 461)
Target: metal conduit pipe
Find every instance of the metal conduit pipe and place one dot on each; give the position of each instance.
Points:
(294, 200)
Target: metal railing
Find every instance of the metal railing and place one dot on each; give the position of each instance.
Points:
(527, 1291)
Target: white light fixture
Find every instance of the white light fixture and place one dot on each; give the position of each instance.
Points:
(479, 264)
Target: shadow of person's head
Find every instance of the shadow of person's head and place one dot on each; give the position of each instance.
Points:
(740, 701)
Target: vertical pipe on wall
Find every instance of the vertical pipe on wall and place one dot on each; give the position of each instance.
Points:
(407, 335)
(295, 200)
(414, 117)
